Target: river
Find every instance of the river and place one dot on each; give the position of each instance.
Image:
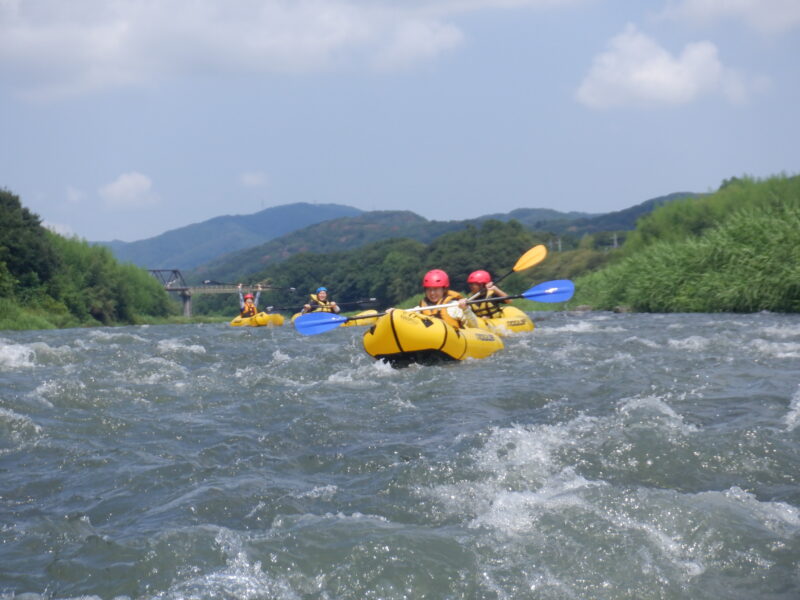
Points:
(600, 456)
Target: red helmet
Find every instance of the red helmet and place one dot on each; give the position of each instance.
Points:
(479, 277)
(436, 278)
(246, 296)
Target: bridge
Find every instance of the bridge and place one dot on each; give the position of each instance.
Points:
(173, 281)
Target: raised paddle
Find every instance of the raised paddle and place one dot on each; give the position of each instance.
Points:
(530, 259)
(559, 290)
(250, 285)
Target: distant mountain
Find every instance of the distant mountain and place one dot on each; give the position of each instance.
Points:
(193, 245)
(621, 220)
(329, 236)
(535, 218)
(347, 233)
(576, 223)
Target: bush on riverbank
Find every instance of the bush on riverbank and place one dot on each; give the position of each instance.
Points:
(735, 251)
(48, 281)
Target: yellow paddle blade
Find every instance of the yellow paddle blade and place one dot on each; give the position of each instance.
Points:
(532, 257)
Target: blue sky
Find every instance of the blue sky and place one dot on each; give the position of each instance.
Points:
(122, 120)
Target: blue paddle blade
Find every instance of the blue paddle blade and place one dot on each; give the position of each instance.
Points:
(317, 322)
(559, 290)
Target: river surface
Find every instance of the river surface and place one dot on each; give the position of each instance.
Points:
(600, 456)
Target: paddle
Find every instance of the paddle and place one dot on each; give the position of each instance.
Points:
(530, 259)
(364, 302)
(559, 290)
(250, 285)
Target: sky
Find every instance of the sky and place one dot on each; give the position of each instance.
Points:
(123, 119)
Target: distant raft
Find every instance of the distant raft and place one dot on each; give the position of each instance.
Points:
(512, 320)
(261, 319)
(366, 317)
(402, 337)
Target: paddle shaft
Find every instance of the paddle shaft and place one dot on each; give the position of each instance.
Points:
(530, 259)
(354, 303)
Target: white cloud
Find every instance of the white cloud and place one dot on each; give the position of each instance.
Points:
(253, 179)
(412, 41)
(53, 48)
(768, 16)
(129, 191)
(636, 71)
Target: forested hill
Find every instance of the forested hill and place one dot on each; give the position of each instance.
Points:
(329, 236)
(575, 223)
(352, 232)
(49, 281)
(193, 245)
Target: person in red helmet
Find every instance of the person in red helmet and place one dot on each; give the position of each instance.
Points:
(249, 304)
(481, 285)
(436, 284)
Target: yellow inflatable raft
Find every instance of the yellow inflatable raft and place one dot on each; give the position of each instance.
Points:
(259, 320)
(513, 320)
(364, 318)
(368, 320)
(402, 337)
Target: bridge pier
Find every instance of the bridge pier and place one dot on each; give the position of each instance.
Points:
(187, 303)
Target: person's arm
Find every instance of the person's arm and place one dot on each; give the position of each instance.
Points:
(335, 307)
(258, 295)
(241, 298)
(498, 292)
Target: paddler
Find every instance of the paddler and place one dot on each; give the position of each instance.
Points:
(481, 286)
(436, 284)
(319, 302)
(247, 303)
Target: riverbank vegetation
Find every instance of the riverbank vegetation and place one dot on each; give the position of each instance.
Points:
(737, 250)
(48, 281)
(391, 270)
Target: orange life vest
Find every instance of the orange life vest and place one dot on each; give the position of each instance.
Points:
(441, 313)
(249, 310)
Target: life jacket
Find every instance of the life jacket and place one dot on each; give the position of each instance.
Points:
(441, 313)
(249, 310)
(488, 310)
(318, 305)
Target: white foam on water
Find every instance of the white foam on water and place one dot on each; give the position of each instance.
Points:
(627, 407)
(323, 491)
(15, 356)
(517, 512)
(166, 370)
(644, 342)
(176, 345)
(521, 473)
(20, 429)
(106, 335)
(784, 331)
(622, 358)
(792, 418)
(669, 544)
(52, 389)
(780, 518)
(575, 327)
(694, 343)
(239, 578)
(280, 357)
(46, 352)
(775, 349)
